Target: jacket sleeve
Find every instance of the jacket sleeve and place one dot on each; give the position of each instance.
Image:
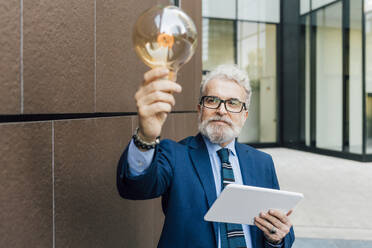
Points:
(154, 181)
(290, 237)
(138, 161)
(287, 242)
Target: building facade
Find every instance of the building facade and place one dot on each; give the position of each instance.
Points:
(309, 66)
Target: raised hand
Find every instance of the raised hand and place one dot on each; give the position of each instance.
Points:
(155, 100)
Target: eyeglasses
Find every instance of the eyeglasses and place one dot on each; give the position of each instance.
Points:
(232, 105)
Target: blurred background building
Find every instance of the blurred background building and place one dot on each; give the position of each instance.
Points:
(68, 74)
(309, 63)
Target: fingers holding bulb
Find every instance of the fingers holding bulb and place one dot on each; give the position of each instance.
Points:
(156, 73)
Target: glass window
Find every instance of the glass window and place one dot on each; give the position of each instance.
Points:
(355, 108)
(304, 6)
(228, 38)
(320, 3)
(218, 43)
(368, 71)
(329, 78)
(307, 82)
(259, 10)
(257, 54)
(367, 6)
(219, 9)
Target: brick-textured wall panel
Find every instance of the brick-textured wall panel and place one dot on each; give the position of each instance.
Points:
(185, 125)
(119, 70)
(158, 223)
(10, 90)
(168, 130)
(58, 56)
(134, 123)
(89, 210)
(179, 126)
(190, 74)
(26, 216)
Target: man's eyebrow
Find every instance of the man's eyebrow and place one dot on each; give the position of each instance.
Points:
(214, 97)
(233, 99)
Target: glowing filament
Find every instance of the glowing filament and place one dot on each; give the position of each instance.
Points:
(165, 40)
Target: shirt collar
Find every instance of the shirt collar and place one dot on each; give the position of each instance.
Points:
(213, 148)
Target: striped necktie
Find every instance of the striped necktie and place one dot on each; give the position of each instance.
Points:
(232, 235)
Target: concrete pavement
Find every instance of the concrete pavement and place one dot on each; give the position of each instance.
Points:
(338, 198)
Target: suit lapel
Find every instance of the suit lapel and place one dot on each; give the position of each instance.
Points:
(249, 178)
(246, 165)
(201, 162)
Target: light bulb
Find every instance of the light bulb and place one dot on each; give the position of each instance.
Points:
(165, 36)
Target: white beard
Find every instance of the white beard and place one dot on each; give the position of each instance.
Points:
(216, 133)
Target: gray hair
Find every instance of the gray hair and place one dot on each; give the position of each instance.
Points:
(229, 72)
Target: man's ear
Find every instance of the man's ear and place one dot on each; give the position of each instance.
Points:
(199, 108)
(246, 115)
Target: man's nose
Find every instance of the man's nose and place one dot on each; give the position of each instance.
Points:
(222, 109)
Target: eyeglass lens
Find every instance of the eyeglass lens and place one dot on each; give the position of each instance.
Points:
(231, 105)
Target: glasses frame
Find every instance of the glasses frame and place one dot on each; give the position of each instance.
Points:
(224, 102)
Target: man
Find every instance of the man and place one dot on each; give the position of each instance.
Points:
(190, 175)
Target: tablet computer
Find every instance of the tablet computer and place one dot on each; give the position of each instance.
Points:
(240, 203)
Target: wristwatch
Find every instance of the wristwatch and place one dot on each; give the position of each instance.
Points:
(143, 144)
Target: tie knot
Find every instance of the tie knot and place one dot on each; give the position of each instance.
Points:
(224, 155)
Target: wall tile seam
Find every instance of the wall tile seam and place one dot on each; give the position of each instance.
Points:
(21, 54)
(124, 114)
(95, 56)
(60, 120)
(53, 192)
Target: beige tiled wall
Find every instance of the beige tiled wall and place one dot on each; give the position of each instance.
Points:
(26, 188)
(10, 89)
(58, 56)
(78, 57)
(58, 179)
(58, 176)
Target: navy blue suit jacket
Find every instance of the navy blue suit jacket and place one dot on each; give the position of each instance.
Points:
(182, 174)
